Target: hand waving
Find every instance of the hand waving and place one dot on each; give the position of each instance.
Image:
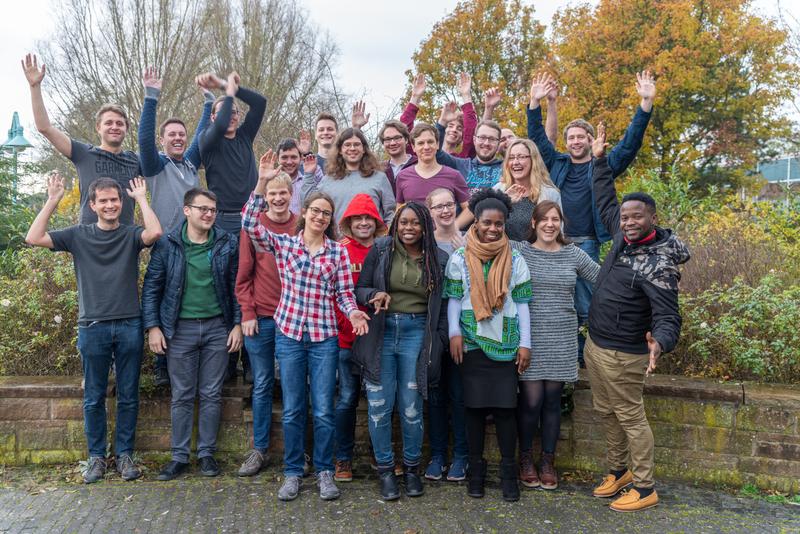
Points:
(150, 78)
(449, 113)
(418, 88)
(30, 66)
(492, 97)
(304, 141)
(464, 86)
(646, 85)
(599, 144)
(359, 117)
(268, 166)
(541, 85)
(55, 186)
(310, 164)
(138, 189)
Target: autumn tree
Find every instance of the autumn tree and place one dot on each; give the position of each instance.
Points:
(498, 42)
(723, 76)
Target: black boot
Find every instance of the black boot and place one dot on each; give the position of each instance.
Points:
(390, 488)
(476, 478)
(509, 480)
(413, 482)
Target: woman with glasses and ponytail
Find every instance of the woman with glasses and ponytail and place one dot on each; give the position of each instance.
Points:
(315, 271)
(489, 286)
(401, 281)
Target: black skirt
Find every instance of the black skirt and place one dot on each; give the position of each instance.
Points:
(488, 383)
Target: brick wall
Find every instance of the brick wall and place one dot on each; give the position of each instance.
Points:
(704, 431)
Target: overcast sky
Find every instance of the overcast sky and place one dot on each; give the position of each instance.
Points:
(376, 41)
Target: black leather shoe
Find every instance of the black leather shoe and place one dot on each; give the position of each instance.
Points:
(208, 466)
(172, 470)
(413, 482)
(509, 482)
(390, 489)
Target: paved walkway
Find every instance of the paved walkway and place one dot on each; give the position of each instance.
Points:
(31, 501)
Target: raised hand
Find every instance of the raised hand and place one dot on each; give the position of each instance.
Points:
(646, 85)
(492, 97)
(209, 81)
(310, 164)
(655, 351)
(464, 87)
(34, 74)
(150, 78)
(418, 89)
(268, 166)
(55, 186)
(138, 189)
(381, 301)
(359, 117)
(541, 85)
(359, 320)
(552, 94)
(304, 142)
(599, 144)
(232, 84)
(449, 113)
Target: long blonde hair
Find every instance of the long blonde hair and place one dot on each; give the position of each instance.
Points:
(538, 176)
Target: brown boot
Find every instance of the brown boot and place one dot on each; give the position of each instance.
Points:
(527, 470)
(547, 471)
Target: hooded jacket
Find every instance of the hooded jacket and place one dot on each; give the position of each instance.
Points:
(166, 276)
(362, 204)
(367, 348)
(637, 288)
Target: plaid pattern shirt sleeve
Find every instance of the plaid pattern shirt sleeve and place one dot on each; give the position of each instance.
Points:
(344, 283)
(263, 240)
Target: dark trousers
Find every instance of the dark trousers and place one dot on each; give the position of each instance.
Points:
(505, 422)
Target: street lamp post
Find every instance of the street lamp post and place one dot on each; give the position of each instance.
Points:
(15, 144)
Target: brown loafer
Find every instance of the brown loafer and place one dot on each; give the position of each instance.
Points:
(631, 501)
(611, 486)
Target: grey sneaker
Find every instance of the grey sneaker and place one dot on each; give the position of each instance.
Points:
(290, 488)
(327, 487)
(95, 469)
(252, 464)
(127, 469)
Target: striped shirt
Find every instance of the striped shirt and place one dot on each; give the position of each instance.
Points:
(310, 282)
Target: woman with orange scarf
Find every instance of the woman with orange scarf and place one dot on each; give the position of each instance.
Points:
(489, 287)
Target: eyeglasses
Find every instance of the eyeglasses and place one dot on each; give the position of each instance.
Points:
(518, 157)
(352, 145)
(443, 206)
(204, 209)
(316, 212)
(487, 139)
(395, 139)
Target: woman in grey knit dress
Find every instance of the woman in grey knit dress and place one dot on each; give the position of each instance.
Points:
(554, 265)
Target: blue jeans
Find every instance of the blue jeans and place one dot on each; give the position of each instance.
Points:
(100, 343)
(450, 392)
(299, 361)
(402, 344)
(583, 291)
(346, 405)
(261, 348)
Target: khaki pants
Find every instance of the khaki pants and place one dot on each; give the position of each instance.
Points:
(617, 380)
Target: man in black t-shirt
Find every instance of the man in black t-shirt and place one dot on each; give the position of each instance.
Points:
(106, 255)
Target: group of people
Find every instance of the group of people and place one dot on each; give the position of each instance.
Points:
(456, 272)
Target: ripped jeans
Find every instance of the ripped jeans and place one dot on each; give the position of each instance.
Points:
(402, 344)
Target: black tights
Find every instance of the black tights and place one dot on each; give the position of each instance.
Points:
(505, 426)
(539, 400)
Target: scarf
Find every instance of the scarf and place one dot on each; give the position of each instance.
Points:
(489, 295)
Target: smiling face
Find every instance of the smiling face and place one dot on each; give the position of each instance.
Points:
(579, 143)
(278, 198)
(491, 225)
(107, 205)
(394, 143)
(454, 133)
(325, 133)
(518, 162)
(425, 146)
(506, 136)
(409, 228)
(363, 227)
(289, 160)
(318, 215)
(112, 129)
(443, 209)
(201, 213)
(548, 227)
(487, 141)
(173, 141)
(636, 220)
(352, 151)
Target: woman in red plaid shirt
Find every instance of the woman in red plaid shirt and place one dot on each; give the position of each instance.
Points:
(314, 272)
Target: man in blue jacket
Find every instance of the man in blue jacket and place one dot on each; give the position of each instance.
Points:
(190, 312)
(571, 172)
(171, 173)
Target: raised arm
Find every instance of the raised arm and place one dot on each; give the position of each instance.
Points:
(551, 122)
(148, 152)
(193, 154)
(623, 154)
(152, 228)
(448, 114)
(359, 117)
(35, 75)
(491, 99)
(540, 87)
(470, 116)
(211, 136)
(605, 195)
(263, 240)
(310, 181)
(37, 235)
(257, 104)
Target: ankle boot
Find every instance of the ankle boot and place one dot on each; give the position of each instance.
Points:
(547, 471)
(390, 489)
(476, 478)
(412, 481)
(508, 479)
